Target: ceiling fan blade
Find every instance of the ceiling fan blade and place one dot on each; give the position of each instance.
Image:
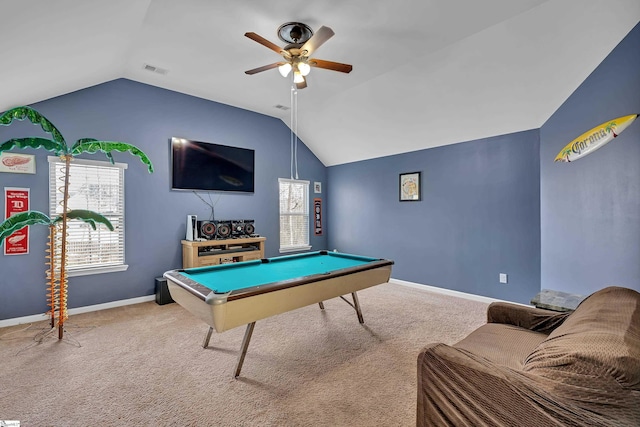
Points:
(264, 42)
(264, 68)
(302, 84)
(330, 65)
(317, 40)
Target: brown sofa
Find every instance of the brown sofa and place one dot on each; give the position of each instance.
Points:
(534, 367)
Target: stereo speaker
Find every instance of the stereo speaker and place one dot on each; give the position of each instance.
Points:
(162, 292)
(192, 227)
(249, 228)
(207, 229)
(223, 229)
(242, 227)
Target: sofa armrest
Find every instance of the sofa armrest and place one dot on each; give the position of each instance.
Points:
(458, 388)
(535, 319)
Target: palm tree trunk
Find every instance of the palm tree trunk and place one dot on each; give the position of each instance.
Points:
(62, 310)
(53, 292)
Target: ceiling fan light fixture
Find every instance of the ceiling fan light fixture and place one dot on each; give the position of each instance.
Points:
(285, 69)
(298, 77)
(304, 68)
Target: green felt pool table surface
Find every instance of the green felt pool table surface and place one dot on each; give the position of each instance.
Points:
(233, 277)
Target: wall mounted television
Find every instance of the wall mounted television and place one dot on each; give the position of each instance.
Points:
(206, 166)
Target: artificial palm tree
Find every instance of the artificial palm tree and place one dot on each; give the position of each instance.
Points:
(57, 273)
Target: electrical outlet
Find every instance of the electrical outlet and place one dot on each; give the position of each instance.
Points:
(503, 278)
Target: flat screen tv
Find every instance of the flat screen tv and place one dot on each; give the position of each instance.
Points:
(205, 166)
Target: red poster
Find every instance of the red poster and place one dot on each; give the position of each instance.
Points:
(317, 216)
(16, 200)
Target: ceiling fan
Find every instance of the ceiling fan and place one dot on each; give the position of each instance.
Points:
(302, 42)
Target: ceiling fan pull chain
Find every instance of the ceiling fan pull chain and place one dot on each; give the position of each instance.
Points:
(291, 127)
(294, 127)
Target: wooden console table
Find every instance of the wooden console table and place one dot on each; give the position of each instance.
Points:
(213, 252)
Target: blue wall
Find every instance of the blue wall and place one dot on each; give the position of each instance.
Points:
(501, 205)
(479, 215)
(590, 220)
(155, 216)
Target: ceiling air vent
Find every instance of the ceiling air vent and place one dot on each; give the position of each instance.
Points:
(155, 69)
(281, 107)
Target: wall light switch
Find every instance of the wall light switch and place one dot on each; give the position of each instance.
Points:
(503, 278)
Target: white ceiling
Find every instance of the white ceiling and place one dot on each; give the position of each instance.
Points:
(425, 72)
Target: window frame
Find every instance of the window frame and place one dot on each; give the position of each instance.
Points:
(54, 185)
(306, 215)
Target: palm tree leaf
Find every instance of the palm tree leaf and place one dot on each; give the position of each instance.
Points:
(90, 145)
(20, 220)
(90, 217)
(21, 113)
(33, 142)
(85, 142)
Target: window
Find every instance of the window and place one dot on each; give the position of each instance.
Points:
(294, 215)
(96, 186)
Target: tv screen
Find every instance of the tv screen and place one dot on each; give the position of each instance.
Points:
(205, 166)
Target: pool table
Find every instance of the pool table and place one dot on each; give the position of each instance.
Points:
(230, 295)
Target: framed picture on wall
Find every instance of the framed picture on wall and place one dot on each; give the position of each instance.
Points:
(17, 163)
(410, 187)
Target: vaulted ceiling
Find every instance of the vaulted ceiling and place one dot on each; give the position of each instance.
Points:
(425, 73)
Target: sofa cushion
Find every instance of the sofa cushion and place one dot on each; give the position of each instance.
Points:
(506, 345)
(601, 337)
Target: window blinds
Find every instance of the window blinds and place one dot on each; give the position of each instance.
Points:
(99, 187)
(294, 214)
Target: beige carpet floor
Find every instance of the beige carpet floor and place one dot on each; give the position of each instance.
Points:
(143, 365)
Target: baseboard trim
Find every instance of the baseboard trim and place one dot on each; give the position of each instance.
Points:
(444, 291)
(79, 310)
(120, 303)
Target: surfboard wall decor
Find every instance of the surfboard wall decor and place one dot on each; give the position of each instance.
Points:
(595, 138)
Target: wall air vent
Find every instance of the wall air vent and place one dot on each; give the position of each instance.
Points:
(154, 69)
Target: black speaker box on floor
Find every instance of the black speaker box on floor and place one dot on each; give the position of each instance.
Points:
(162, 292)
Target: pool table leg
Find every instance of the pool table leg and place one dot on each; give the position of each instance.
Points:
(355, 305)
(207, 337)
(245, 345)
